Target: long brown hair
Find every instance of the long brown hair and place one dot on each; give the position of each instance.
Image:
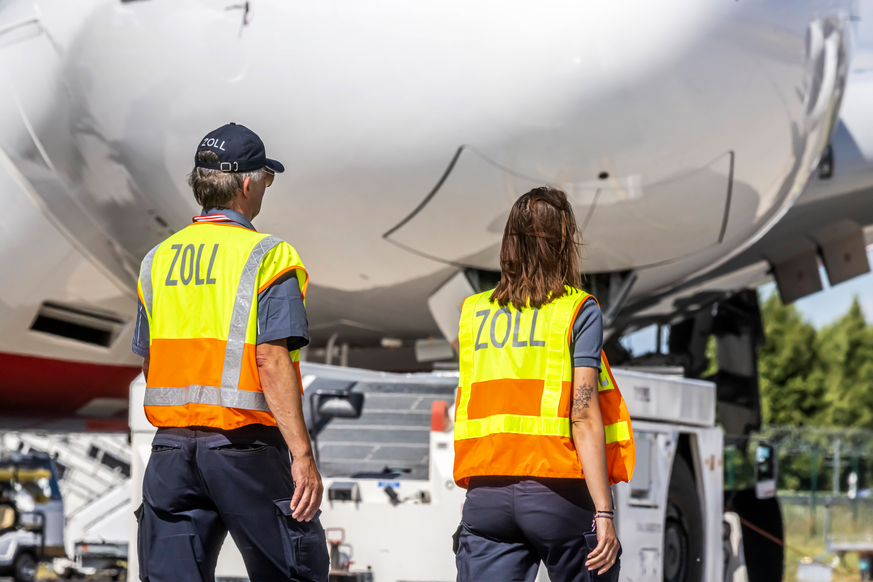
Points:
(540, 251)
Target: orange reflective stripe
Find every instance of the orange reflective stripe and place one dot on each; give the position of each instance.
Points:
(505, 396)
(198, 361)
(186, 361)
(513, 396)
(282, 272)
(542, 455)
(206, 415)
(518, 455)
(222, 223)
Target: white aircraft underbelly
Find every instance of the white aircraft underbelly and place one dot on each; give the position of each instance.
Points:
(681, 130)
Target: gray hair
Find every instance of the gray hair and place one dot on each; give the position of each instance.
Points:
(214, 188)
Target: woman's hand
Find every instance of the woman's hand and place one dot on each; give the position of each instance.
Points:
(604, 555)
(590, 441)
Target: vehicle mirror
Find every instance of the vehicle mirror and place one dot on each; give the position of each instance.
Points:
(766, 469)
(340, 404)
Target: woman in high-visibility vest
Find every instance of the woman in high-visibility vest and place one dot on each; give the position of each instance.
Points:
(541, 429)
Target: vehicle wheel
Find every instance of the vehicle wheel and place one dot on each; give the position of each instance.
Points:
(25, 568)
(683, 528)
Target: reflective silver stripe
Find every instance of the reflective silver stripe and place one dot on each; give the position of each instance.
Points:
(239, 320)
(211, 395)
(194, 394)
(145, 280)
(244, 399)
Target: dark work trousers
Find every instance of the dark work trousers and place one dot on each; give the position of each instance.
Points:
(510, 524)
(202, 483)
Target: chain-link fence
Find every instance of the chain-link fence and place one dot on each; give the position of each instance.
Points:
(824, 484)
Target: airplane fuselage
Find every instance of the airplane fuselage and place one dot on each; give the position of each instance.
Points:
(681, 130)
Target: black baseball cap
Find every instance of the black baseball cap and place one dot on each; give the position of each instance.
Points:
(239, 149)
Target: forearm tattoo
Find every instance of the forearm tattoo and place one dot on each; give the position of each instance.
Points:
(582, 397)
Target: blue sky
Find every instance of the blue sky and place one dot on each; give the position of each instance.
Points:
(826, 306)
(819, 309)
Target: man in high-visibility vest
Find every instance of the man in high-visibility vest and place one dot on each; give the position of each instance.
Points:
(221, 321)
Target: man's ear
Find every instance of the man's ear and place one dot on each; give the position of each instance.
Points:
(246, 183)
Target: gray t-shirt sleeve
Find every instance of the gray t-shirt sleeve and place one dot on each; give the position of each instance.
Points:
(282, 315)
(587, 341)
(140, 343)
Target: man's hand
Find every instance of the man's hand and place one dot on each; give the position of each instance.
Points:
(606, 552)
(282, 390)
(308, 489)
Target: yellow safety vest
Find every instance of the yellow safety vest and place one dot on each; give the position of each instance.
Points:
(199, 289)
(512, 414)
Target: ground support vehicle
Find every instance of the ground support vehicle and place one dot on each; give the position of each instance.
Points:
(93, 472)
(100, 532)
(31, 514)
(386, 458)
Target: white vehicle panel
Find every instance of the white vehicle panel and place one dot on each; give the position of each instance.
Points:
(412, 540)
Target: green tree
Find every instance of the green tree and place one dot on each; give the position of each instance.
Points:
(792, 378)
(847, 357)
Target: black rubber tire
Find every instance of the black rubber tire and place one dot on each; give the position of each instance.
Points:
(683, 528)
(25, 567)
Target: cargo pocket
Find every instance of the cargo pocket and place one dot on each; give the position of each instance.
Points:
(456, 539)
(461, 546)
(142, 554)
(304, 543)
(590, 540)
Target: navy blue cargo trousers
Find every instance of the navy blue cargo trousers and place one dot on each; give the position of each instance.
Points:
(509, 525)
(202, 483)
